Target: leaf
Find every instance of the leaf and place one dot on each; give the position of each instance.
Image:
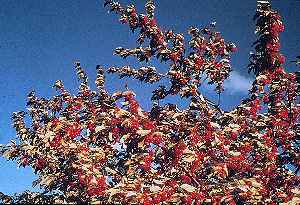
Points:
(215, 125)
(99, 128)
(123, 112)
(7, 154)
(95, 201)
(47, 180)
(131, 193)
(261, 124)
(244, 188)
(154, 188)
(143, 132)
(188, 188)
(235, 153)
(295, 200)
(189, 158)
(254, 183)
(296, 191)
(160, 182)
(110, 136)
(73, 146)
(226, 170)
(110, 171)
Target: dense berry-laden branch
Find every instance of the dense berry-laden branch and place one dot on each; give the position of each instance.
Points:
(209, 55)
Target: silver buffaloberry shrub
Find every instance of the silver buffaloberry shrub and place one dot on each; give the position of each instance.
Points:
(101, 148)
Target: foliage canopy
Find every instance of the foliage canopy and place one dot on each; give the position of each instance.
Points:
(98, 147)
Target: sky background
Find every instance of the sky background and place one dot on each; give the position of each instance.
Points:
(40, 40)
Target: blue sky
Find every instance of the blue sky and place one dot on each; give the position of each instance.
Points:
(40, 40)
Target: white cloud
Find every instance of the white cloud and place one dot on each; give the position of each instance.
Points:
(237, 83)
